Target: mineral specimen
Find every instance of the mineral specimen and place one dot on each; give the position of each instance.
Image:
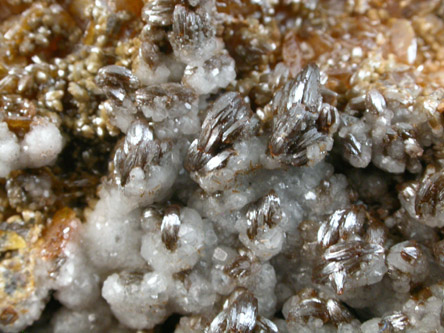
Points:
(221, 166)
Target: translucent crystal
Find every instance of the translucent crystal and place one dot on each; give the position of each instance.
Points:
(298, 137)
(260, 231)
(309, 309)
(351, 264)
(343, 224)
(193, 36)
(117, 82)
(228, 120)
(240, 314)
(158, 12)
(138, 150)
(429, 197)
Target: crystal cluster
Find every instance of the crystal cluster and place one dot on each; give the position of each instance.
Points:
(221, 166)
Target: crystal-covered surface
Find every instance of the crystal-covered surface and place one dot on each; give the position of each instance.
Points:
(221, 166)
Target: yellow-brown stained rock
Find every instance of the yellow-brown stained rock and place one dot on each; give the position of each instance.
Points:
(58, 233)
(10, 240)
(17, 281)
(22, 252)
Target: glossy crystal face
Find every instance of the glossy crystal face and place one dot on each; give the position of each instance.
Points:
(221, 166)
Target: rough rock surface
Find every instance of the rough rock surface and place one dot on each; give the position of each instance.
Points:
(221, 166)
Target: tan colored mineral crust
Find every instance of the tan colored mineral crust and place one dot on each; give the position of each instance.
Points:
(221, 165)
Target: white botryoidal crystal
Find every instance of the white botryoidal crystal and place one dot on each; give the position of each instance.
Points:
(413, 315)
(193, 294)
(173, 107)
(166, 100)
(112, 233)
(176, 244)
(215, 73)
(263, 285)
(41, 144)
(94, 319)
(424, 315)
(148, 74)
(10, 148)
(137, 300)
(39, 147)
(240, 268)
(77, 283)
(407, 265)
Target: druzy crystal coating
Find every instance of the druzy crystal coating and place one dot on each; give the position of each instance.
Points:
(221, 166)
